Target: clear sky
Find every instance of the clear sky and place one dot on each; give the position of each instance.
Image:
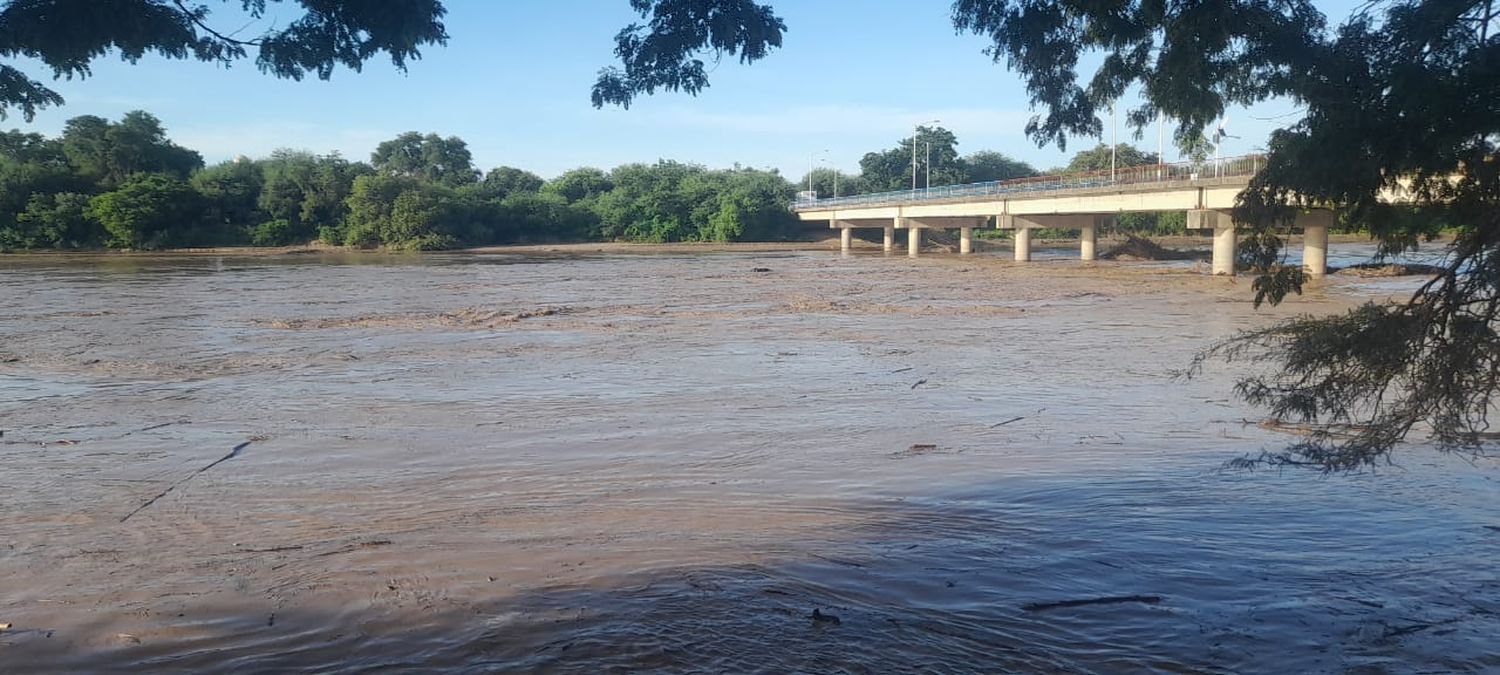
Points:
(852, 77)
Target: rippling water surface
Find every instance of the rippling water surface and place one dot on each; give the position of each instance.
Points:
(668, 462)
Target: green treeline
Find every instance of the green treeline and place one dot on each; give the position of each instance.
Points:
(125, 184)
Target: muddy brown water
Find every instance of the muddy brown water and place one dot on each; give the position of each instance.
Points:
(668, 462)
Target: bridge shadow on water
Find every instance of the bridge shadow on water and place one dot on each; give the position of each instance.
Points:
(1255, 572)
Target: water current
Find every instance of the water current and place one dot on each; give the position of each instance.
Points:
(600, 463)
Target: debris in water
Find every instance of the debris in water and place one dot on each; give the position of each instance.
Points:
(232, 454)
(5, 625)
(273, 549)
(1001, 424)
(761, 269)
(1141, 248)
(1110, 600)
(825, 618)
(918, 383)
(1389, 270)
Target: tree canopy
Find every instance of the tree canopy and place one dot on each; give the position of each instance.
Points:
(68, 35)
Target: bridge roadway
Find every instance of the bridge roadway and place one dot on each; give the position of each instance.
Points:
(1079, 202)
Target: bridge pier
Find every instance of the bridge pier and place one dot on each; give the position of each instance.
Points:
(1225, 242)
(1315, 242)
(1022, 244)
(913, 240)
(1088, 240)
(846, 239)
(965, 240)
(1226, 250)
(890, 237)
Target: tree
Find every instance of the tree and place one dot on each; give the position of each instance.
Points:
(68, 35)
(57, 220)
(109, 152)
(507, 180)
(987, 165)
(892, 169)
(1098, 158)
(664, 54)
(230, 193)
(144, 211)
(403, 212)
(823, 182)
(431, 157)
(580, 184)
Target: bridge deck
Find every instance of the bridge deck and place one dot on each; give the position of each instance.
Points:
(1157, 187)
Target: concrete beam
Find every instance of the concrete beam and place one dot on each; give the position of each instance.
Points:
(1209, 219)
(943, 223)
(858, 222)
(1010, 221)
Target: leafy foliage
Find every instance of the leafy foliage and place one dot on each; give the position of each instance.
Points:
(1097, 158)
(147, 211)
(69, 35)
(430, 157)
(664, 53)
(987, 165)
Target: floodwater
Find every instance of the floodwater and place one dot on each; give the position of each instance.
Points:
(602, 463)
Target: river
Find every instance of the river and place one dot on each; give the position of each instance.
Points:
(595, 463)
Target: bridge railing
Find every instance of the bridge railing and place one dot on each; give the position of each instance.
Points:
(1246, 165)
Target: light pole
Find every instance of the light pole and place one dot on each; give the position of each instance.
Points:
(1161, 155)
(835, 176)
(1114, 140)
(915, 129)
(929, 166)
(810, 158)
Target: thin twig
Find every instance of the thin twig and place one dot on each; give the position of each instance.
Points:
(232, 454)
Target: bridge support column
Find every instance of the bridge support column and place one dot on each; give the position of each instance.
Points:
(1088, 240)
(965, 240)
(1315, 242)
(890, 238)
(1225, 250)
(846, 239)
(913, 241)
(1023, 244)
(1225, 244)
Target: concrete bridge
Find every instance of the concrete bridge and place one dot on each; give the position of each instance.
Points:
(1079, 202)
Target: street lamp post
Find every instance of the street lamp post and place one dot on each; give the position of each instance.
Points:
(835, 176)
(929, 166)
(810, 158)
(1114, 140)
(915, 129)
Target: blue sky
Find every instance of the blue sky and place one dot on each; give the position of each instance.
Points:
(514, 81)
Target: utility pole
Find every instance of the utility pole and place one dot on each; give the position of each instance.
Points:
(1161, 155)
(914, 130)
(1114, 140)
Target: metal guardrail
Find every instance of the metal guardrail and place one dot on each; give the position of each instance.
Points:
(1228, 167)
